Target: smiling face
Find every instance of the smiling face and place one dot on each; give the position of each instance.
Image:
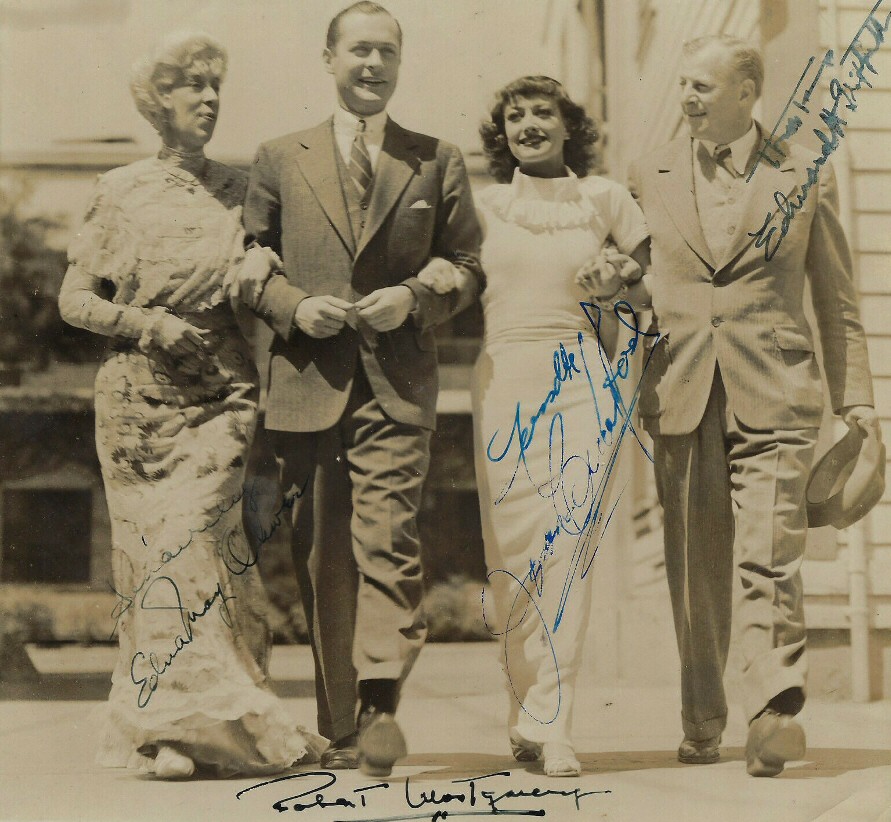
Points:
(365, 62)
(535, 134)
(716, 99)
(192, 106)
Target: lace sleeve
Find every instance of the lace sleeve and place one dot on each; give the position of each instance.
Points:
(91, 258)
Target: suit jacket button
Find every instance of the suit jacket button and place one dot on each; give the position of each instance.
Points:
(716, 321)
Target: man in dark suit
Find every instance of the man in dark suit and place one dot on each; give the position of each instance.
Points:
(357, 207)
(732, 394)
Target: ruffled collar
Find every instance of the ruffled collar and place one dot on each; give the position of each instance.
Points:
(541, 203)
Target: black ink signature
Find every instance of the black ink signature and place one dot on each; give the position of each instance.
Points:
(579, 505)
(475, 792)
(842, 94)
(125, 601)
(237, 555)
(168, 598)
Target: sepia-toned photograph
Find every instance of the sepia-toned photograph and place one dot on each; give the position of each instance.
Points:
(434, 409)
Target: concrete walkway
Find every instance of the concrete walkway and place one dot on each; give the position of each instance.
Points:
(453, 714)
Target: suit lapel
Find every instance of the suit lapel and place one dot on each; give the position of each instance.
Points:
(318, 165)
(675, 182)
(759, 201)
(396, 165)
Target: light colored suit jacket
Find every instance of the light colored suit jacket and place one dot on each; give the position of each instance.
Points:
(420, 207)
(742, 312)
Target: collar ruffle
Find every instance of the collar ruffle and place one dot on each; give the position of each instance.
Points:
(541, 203)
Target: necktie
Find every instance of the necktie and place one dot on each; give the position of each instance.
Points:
(360, 161)
(723, 157)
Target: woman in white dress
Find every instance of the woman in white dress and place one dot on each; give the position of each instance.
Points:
(547, 425)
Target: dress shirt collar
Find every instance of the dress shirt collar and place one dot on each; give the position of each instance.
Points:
(345, 122)
(740, 149)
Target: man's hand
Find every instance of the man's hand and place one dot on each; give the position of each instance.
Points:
(321, 317)
(863, 417)
(386, 308)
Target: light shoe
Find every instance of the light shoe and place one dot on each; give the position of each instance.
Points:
(774, 739)
(171, 764)
(381, 742)
(559, 760)
(524, 750)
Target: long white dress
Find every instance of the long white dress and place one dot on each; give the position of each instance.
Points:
(547, 429)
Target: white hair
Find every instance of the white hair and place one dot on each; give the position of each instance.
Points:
(160, 71)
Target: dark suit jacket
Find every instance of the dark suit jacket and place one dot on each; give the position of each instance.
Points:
(742, 312)
(420, 207)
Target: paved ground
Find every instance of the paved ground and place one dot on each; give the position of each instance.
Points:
(453, 716)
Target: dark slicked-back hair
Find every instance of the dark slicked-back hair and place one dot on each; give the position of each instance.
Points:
(362, 7)
(581, 132)
(744, 57)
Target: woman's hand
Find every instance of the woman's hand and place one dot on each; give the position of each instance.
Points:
(439, 275)
(173, 335)
(628, 268)
(600, 278)
(246, 282)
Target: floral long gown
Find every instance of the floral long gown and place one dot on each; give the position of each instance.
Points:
(173, 436)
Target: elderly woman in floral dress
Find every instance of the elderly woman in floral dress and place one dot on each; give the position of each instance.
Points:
(176, 405)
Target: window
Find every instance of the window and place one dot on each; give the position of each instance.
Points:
(46, 535)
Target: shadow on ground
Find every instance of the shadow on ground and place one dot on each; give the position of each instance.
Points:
(68, 687)
(820, 762)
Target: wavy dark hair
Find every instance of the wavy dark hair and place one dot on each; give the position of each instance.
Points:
(581, 131)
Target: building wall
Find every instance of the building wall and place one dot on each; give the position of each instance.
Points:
(863, 164)
(642, 59)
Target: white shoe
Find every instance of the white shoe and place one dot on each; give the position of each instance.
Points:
(559, 760)
(171, 764)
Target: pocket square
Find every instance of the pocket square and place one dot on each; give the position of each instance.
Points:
(420, 204)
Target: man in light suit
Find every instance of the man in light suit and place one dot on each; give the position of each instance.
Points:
(357, 207)
(732, 393)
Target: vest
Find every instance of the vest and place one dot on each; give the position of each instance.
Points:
(357, 208)
(719, 200)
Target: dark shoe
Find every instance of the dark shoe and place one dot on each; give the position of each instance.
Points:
(699, 751)
(524, 750)
(342, 754)
(773, 740)
(381, 742)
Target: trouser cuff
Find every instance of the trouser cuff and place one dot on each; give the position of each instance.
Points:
(707, 729)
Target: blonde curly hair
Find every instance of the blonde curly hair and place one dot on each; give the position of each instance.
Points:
(177, 54)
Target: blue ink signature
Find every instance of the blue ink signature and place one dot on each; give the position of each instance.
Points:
(148, 684)
(564, 370)
(842, 94)
(482, 792)
(579, 504)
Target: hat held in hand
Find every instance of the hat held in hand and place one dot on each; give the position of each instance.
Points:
(848, 481)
